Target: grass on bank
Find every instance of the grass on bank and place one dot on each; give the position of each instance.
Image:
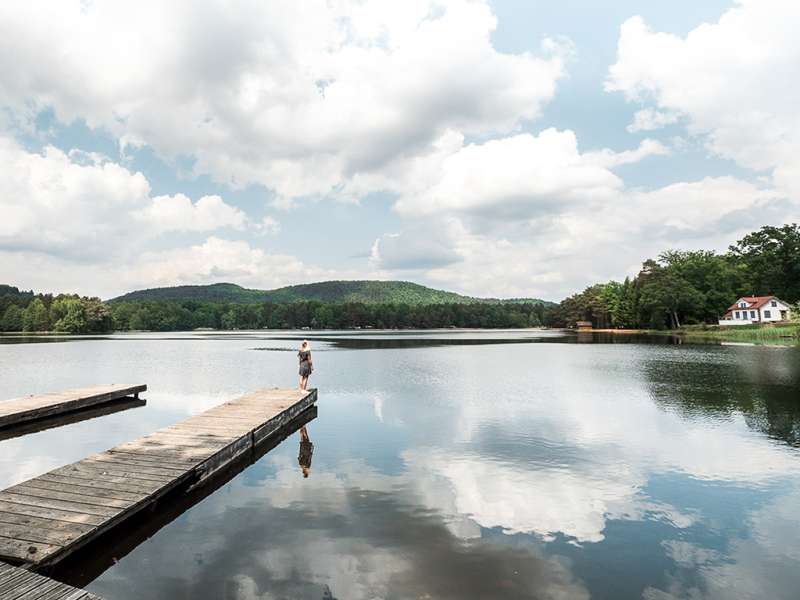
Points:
(780, 333)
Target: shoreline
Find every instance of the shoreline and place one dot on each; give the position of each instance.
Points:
(783, 334)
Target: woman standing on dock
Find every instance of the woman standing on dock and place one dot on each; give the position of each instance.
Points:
(306, 366)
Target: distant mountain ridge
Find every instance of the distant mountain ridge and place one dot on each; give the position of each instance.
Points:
(335, 292)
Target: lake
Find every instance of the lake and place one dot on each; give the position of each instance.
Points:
(454, 465)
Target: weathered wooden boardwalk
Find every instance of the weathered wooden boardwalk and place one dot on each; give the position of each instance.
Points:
(45, 519)
(84, 414)
(19, 584)
(30, 408)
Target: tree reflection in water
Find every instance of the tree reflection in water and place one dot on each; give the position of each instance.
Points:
(761, 384)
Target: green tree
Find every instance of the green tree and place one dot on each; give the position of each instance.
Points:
(665, 296)
(98, 315)
(771, 256)
(68, 315)
(12, 319)
(35, 317)
(719, 279)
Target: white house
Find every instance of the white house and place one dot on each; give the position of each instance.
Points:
(756, 309)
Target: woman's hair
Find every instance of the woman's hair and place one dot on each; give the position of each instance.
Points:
(305, 345)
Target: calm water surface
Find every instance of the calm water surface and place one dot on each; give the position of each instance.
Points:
(457, 465)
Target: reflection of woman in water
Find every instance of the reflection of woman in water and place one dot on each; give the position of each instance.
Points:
(306, 450)
(306, 366)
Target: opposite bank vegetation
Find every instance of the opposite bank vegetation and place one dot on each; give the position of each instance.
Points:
(690, 290)
(686, 290)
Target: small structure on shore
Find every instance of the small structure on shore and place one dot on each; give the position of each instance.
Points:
(749, 310)
(584, 325)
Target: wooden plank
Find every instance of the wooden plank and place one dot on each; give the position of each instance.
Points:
(58, 512)
(104, 481)
(92, 469)
(193, 454)
(176, 445)
(36, 589)
(70, 495)
(69, 516)
(26, 550)
(26, 533)
(122, 463)
(39, 587)
(182, 463)
(30, 408)
(20, 584)
(115, 485)
(43, 502)
(60, 420)
(44, 523)
(10, 575)
(83, 490)
(8, 587)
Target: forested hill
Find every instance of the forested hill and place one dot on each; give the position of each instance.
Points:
(329, 292)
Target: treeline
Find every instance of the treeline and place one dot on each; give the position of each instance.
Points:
(22, 311)
(29, 312)
(682, 288)
(193, 314)
(678, 288)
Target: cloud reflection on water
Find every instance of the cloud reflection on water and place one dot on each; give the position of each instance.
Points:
(676, 465)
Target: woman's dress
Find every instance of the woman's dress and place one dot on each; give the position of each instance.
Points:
(305, 363)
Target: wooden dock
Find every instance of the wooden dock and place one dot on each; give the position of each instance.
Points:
(45, 519)
(20, 584)
(30, 408)
(85, 414)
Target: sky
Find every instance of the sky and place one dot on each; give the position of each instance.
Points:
(502, 148)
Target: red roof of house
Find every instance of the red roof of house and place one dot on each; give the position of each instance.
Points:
(753, 302)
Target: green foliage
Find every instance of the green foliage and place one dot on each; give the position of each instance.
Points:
(169, 316)
(691, 287)
(68, 315)
(26, 311)
(771, 256)
(676, 289)
(12, 319)
(788, 333)
(35, 317)
(328, 292)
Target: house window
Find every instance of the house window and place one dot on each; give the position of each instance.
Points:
(752, 314)
(742, 304)
(767, 314)
(736, 315)
(773, 303)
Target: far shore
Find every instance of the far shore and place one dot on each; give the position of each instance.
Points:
(779, 333)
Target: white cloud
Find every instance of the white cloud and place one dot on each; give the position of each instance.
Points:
(571, 244)
(71, 219)
(178, 213)
(523, 175)
(269, 225)
(299, 98)
(609, 159)
(649, 119)
(415, 249)
(210, 261)
(218, 259)
(82, 205)
(747, 567)
(731, 80)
